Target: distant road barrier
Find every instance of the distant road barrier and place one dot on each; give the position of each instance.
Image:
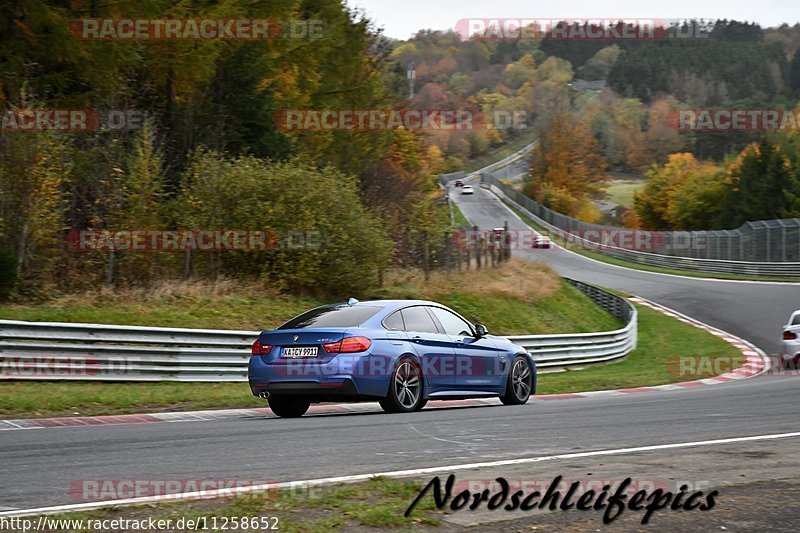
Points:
(563, 226)
(444, 179)
(96, 352)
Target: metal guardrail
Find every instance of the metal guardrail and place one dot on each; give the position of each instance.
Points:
(522, 152)
(444, 179)
(716, 266)
(57, 350)
(559, 352)
(95, 352)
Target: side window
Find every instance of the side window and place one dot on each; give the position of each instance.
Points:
(418, 319)
(452, 324)
(394, 322)
(796, 319)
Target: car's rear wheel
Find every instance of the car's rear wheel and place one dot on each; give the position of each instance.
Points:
(405, 389)
(288, 406)
(520, 382)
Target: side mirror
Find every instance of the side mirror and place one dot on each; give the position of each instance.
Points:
(481, 331)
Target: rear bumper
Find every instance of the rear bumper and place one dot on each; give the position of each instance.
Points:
(340, 379)
(791, 349)
(315, 391)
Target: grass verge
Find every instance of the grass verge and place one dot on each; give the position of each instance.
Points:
(532, 297)
(459, 220)
(224, 304)
(661, 340)
(621, 192)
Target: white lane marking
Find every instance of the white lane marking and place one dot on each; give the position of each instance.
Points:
(217, 493)
(515, 215)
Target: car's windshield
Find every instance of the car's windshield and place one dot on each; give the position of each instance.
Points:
(332, 317)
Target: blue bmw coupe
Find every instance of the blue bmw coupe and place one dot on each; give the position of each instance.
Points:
(401, 353)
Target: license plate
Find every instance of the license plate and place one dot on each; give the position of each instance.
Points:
(296, 353)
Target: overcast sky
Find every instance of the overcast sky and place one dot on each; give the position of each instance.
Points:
(401, 19)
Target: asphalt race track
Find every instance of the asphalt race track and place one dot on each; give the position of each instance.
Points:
(39, 466)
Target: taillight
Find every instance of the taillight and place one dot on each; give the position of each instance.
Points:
(349, 345)
(789, 335)
(260, 349)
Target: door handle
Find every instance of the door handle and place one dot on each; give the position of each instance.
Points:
(418, 339)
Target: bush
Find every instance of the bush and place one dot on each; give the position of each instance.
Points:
(327, 240)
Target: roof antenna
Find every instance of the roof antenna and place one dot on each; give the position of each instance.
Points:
(351, 302)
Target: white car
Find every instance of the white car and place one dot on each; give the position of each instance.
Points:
(791, 340)
(467, 189)
(541, 241)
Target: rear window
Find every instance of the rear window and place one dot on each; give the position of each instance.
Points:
(796, 319)
(332, 317)
(394, 322)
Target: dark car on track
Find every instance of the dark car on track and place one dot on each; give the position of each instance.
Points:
(401, 353)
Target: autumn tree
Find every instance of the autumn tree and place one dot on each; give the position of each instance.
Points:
(567, 168)
(683, 194)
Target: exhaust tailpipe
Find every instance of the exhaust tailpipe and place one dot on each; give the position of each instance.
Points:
(264, 395)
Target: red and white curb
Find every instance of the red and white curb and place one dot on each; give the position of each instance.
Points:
(756, 361)
(756, 364)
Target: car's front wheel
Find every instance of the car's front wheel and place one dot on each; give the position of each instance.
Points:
(288, 406)
(520, 382)
(405, 389)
